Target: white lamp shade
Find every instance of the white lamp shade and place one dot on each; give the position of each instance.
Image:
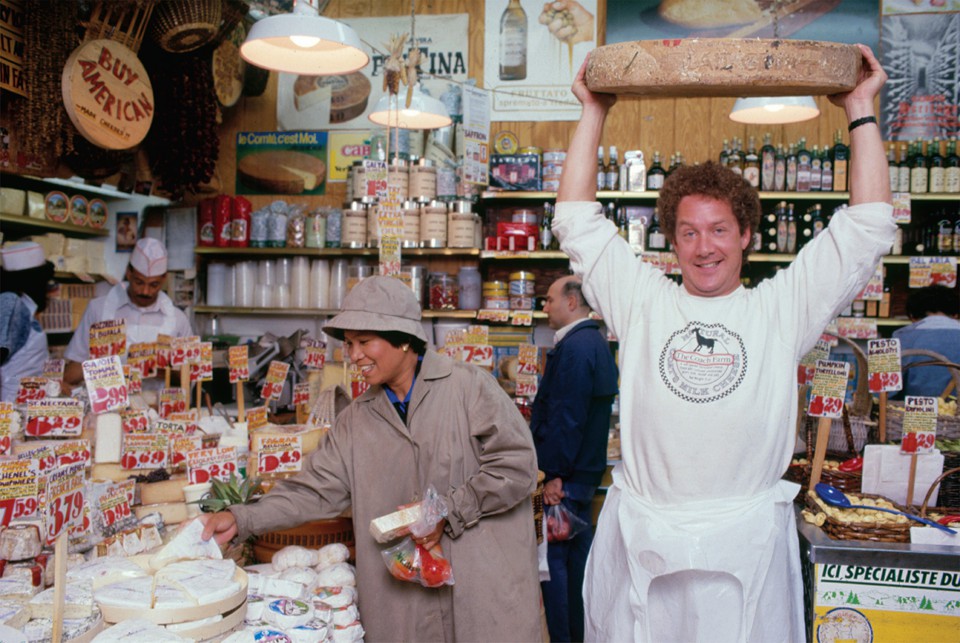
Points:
(304, 44)
(425, 112)
(774, 110)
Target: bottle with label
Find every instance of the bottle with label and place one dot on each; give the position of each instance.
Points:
(725, 153)
(840, 156)
(656, 174)
(897, 248)
(601, 170)
(956, 236)
(951, 169)
(937, 167)
(637, 234)
(791, 231)
(546, 229)
(892, 168)
(734, 161)
(656, 240)
(818, 222)
(945, 237)
(803, 167)
(826, 178)
(780, 169)
(751, 164)
(782, 227)
(768, 230)
(816, 169)
(623, 226)
(768, 155)
(919, 173)
(513, 42)
(792, 168)
(903, 180)
(612, 181)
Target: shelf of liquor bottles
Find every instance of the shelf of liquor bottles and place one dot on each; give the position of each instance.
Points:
(329, 312)
(653, 195)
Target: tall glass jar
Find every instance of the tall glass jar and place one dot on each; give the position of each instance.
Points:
(443, 292)
(468, 282)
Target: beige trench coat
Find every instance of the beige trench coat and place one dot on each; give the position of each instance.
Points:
(466, 437)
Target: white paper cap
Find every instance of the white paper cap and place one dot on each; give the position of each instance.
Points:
(149, 257)
(22, 256)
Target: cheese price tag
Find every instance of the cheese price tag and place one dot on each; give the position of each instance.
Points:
(144, 357)
(477, 334)
(375, 179)
(481, 355)
(873, 291)
(180, 446)
(521, 318)
(6, 423)
(857, 328)
(108, 338)
(276, 376)
(81, 526)
(54, 417)
(357, 384)
(901, 207)
(190, 416)
(389, 260)
(315, 354)
(528, 359)
(171, 427)
(493, 315)
(145, 450)
(301, 393)
(256, 417)
(134, 421)
(919, 424)
(829, 387)
(206, 361)
(105, 384)
(280, 454)
(883, 365)
(19, 486)
(65, 500)
(72, 452)
(163, 347)
(205, 465)
(44, 456)
(129, 487)
(526, 385)
(53, 369)
(172, 400)
(114, 507)
(238, 361)
(33, 389)
(933, 271)
(131, 375)
(184, 350)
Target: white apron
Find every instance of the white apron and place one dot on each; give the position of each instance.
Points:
(26, 362)
(713, 570)
(139, 333)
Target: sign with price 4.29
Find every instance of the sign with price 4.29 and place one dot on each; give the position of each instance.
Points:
(145, 451)
(919, 424)
(829, 387)
(65, 500)
(280, 454)
(883, 365)
(205, 465)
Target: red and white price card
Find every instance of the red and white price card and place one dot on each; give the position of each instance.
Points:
(54, 417)
(276, 376)
(528, 359)
(105, 384)
(495, 315)
(114, 506)
(53, 369)
(163, 347)
(874, 288)
(190, 416)
(145, 450)
(131, 375)
(72, 452)
(180, 446)
(479, 354)
(280, 454)
(144, 357)
(134, 421)
(81, 526)
(170, 427)
(206, 361)
(256, 417)
(389, 259)
(521, 318)
(883, 365)
(526, 385)
(129, 487)
(65, 500)
(314, 354)
(32, 389)
(238, 360)
(477, 334)
(6, 422)
(301, 393)
(357, 384)
(857, 328)
(933, 271)
(901, 206)
(19, 486)
(184, 350)
(829, 389)
(375, 179)
(205, 465)
(107, 338)
(919, 424)
(44, 457)
(172, 400)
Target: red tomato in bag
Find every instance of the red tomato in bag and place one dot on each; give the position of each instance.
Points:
(434, 570)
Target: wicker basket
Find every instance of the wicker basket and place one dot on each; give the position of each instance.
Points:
(944, 508)
(311, 535)
(179, 26)
(846, 481)
(538, 507)
(123, 22)
(948, 426)
(884, 533)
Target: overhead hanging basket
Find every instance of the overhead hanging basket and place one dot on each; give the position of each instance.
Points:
(179, 26)
(121, 22)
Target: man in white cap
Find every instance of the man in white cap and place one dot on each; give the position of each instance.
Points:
(23, 344)
(140, 301)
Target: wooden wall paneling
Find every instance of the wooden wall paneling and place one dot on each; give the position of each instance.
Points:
(692, 130)
(657, 128)
(721, 127)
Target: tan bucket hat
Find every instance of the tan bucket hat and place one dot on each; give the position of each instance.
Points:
(378, 304)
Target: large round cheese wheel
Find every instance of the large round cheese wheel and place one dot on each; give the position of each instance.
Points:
(723, 67)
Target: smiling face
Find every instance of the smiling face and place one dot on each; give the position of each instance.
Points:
(379, 361)
(709, 246)
(143, 290)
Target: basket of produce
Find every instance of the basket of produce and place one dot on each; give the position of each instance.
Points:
(949, 495)
(856, 523)
(948, 416)
(841, 469)
(312, 535)
(946, 506)
(538, 507)
(179, 26)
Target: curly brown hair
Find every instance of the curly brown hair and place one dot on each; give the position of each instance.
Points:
(713, 181)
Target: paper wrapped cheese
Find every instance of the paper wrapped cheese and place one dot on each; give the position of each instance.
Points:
(386, 528)
(723, 67)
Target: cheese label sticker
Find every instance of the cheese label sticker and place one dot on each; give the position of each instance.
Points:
(163, 345)
(526, 385)
(134, 421)
(172, 400)
(919, 424)
(72, 452)
(528, 359)
(64, 501)
(105, 384)
(32, 389)
(145, 450)
(280, 454)
(301, 393)
(144, 357)
(276, 376)
(883, 365)
(53, 369)
(493, 315)
(54, 417)
(477, 334)
(180, 446)
(315, 354)
(19, 486)
(6, 422)
(204, 465)
(256, 417)
(108, 338)
(829, 387)
(238, 360)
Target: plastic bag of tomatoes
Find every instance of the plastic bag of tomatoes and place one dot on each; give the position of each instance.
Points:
(408, 561)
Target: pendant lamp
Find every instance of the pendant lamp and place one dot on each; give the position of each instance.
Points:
(425, 112)
(303, 42)
(778, 110)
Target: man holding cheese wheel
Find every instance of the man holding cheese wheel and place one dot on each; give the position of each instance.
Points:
(697, 538)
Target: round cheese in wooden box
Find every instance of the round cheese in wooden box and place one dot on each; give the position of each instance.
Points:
(697, 67)
(78, 209)
(57, 206)
(97, 213)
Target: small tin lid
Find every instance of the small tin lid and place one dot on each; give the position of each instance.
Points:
(462, 206)
(505, 142)
(532, 149)
(411, 205)
(523, 275)
(436, 203)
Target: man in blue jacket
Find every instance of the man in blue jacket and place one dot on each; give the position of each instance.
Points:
(570, 424)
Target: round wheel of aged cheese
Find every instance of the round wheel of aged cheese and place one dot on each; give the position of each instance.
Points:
(348, 94)
(283, 172)
(698, 67)
(229, 68)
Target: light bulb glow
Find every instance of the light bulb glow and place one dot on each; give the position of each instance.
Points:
(304, 41)
(774, 108)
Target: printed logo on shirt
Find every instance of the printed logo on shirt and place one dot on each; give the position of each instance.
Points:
(703, 362)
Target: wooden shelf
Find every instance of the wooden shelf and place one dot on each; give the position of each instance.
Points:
(606, 195)
(329, 312)
(42, 225)
(334, 252)
(532, 255)
(77, 184)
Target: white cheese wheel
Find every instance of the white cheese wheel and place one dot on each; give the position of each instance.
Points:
(288, 612)
(105, 570)
(255, 605)
(138, 630)
(13, 613)
(313, 631)
(19, 542)
(78, 602)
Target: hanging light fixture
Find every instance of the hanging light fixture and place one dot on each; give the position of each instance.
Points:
(424, 112)
(778, 110)
(304, 42)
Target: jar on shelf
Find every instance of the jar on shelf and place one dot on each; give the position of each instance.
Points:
(468, 283)
(410, 238)
(496, 295)
(353, 231)
(433, 225)
(423, 180)
(443, 293)
(521, 290)
(334, 223)
(462, 225)
(316, 236)
(418, 280)
(357, 273)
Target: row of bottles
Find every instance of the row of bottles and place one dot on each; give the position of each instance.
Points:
(610, 175)
(784, 232)
(789, 169)
(922, 171)
(938, 237)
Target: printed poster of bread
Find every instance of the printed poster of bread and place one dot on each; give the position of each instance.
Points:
(348, 94)
(281, 172)
(710, 14)
(688, 67)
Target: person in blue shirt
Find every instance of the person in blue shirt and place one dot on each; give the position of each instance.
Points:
(570, 424)
(934, 312)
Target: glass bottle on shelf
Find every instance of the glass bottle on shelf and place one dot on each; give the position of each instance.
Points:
(818, 222)
(735, 161)
(601, 170)
(782, 227)
(892, 168)
(803, 167)
(724, 159)
(656, 240)
(751, 166)
(826, 177)
(656, 174)
(791, 231)
(768, 164)
(897, 248)
(951, 171)
(513, 42)
(919, 173)
(468, 285)
(936, 163)
(780, 169)
(903, 180)
(546, 231)
(840, 157)
(791, 182)
(945, 237)
(816, 169)
(612, 180)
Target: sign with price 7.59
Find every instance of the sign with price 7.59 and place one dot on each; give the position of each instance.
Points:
(65, 500)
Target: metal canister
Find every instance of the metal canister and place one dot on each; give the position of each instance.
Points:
(353, 233)
(373, 226)
(433, 225)
(411, 225)
(521, 289)
(462, 225)
(552, 168)
(398, 179)
(495, 295)
(423, 180)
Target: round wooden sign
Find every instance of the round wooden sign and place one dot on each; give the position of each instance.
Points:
(108, 95)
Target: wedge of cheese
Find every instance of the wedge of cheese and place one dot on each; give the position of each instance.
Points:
(153, 493)
(139, 630)
(188, 544)
(386, 528)
(78, 601)
(108, 445)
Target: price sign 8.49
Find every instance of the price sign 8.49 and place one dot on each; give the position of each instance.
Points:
(65, 500)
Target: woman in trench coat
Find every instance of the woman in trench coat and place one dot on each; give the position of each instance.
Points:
(425, 420)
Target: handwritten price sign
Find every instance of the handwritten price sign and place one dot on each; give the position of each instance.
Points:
(105, 384)
(829, 388)
(72, 452)
(357, 384)
(33, 389)
(184, 350)
(526, 385)
(144, 357)
(919, 424)
(134, 421)
(54, 417)
(45, 458)
(180, 446)
(315, 354)
(205, 465)
(108, 338)
(493, 315)
(6, 421)
(528, 359)
(65, 500)
(145, 451)
(238, 359)
(256, 417)
(481, 355)
(18, 489)
(301, 393)
(280, 454)
(163, 345)
(172, 400)
(521, 318)
(115, 509)
(883, 365)
(276, 376)
(53, 369)
(131, 375)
